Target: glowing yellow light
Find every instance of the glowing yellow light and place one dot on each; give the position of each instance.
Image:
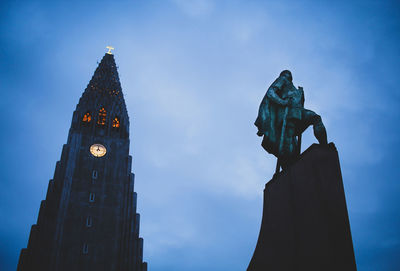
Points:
(109, 49)
(115, 123)
(98, 150)
(102, 116)
(87, 117)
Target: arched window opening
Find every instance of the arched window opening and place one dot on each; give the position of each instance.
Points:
(91, 197)
(102, 116)
(115, 123)
(94, 174)
(85, 248)
(87, 117)
(89, 221)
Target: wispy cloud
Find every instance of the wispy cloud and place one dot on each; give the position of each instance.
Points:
(193, 73)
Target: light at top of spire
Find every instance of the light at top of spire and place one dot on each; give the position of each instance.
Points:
(109, 49)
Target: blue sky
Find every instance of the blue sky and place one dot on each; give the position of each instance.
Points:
(193, 73)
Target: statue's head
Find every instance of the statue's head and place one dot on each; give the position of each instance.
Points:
(287, 74)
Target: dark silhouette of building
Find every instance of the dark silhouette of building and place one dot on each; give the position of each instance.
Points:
(88, 220)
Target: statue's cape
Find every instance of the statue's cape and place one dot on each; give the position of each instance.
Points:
(266, 124)
(269, 119)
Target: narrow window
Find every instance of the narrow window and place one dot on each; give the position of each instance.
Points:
(85, 248)
(94, 174)
(115, 123)
(102, 116)
(91, 197)
(89, 221)
(87, 117)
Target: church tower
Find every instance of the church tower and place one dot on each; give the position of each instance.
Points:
(88, 220)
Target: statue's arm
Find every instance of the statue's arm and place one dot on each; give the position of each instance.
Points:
(272, 92)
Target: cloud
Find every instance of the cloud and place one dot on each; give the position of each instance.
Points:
(193, 76)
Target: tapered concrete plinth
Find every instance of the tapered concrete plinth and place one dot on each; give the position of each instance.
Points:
(305, 224)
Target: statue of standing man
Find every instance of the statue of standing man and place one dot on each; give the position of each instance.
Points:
(282, 119)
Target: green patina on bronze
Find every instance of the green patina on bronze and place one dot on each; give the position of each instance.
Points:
(282, 119)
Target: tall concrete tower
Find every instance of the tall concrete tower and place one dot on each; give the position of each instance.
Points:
(88, 220)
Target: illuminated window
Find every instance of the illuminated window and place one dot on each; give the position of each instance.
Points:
(115, 123)
(85, 248)
(89, 221)
(102, 116)
(87, 117)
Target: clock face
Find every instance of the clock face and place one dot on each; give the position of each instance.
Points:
(98, 150)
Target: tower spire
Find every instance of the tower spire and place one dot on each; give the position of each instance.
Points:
(103, 98)
(89, 220)
(105, 80)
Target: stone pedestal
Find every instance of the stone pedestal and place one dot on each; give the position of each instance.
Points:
(305, 224)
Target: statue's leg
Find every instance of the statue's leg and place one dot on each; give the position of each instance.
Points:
(289, 152)
(311, 118)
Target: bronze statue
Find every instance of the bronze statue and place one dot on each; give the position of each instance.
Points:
(282, 119)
